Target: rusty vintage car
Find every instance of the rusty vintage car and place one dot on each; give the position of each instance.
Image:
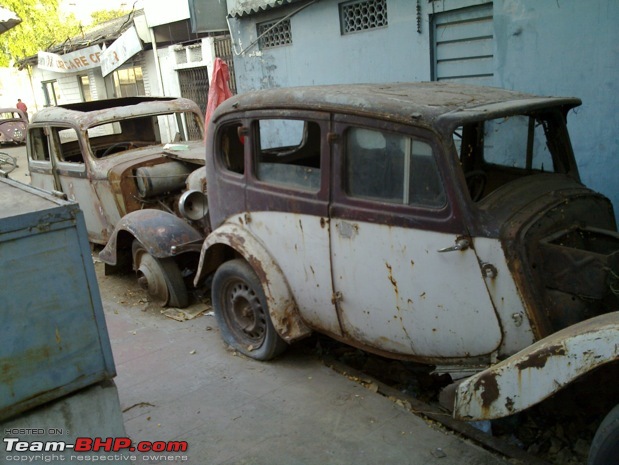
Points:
(437, 223)
(13, 125)
(431, 222)
(119, 156)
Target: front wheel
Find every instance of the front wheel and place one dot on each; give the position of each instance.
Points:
(605, 445)
(242, 313)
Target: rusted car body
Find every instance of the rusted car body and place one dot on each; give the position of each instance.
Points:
(431, 222)
(13, 125)
(120, 156)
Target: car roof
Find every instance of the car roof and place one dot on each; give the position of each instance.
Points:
(427, 102)
(13, 110)
(88, 114)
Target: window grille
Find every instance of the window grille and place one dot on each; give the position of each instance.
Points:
(360, 15)
(223, 50)
(276, 33)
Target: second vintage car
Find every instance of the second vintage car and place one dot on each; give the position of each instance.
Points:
(120, 156)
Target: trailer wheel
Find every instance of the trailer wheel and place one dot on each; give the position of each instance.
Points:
(242, 312)
(605, 445)
(161, 277)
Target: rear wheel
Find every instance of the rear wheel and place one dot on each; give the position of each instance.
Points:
(161, 277)
(605, 445)
(242, 313)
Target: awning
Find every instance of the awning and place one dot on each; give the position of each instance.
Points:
(8, 20)
(249, 7)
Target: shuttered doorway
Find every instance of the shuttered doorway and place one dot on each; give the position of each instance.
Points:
(463, 45)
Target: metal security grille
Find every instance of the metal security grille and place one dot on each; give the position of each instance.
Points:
(274, 33)
(194, 85)
(361, 15)
(223, 50)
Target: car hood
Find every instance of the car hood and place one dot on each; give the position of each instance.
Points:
(192, 152)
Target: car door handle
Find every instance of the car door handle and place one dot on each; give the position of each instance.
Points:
(462, 243)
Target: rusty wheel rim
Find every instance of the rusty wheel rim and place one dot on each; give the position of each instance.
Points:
(245, 315)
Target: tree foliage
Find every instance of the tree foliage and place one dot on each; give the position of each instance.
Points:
(41, 28)
(102, 16)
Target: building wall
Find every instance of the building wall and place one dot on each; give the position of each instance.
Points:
(568, 47)
(319, 54)
(560, 47)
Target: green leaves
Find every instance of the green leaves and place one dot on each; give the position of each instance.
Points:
(42, 27)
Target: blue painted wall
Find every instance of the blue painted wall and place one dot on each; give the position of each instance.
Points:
(558, 47)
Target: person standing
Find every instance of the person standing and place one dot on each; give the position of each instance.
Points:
(22, 106)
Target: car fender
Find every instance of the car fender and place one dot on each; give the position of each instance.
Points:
(282, 305)
(160, 232)
(539, 370)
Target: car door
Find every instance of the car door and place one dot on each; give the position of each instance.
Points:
(42, 172)
(76, 182)
(288, 197)
(391, 214)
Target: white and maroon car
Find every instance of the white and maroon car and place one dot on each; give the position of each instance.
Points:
(431, 222)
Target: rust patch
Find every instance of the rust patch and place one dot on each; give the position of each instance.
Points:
(489, 389)
(509, 404)
(539, 358)
(394, 283)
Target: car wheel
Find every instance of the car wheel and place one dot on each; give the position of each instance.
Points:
(161, 277)
(242, 313)
(605, 445)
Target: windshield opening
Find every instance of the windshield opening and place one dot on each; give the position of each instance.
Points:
(129, 133)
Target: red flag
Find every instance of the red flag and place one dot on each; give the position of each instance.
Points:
(218, 91)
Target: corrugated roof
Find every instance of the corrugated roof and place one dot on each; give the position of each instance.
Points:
(250, 7)
(108, 31)
(8, 20)
(104, 32)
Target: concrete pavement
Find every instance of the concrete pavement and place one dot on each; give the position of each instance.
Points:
(19, 152)
(178, 382)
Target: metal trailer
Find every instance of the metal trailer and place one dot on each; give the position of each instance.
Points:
(56, 364)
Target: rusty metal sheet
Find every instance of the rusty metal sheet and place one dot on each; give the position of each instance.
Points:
(157, 230)
(540, 370)
(52, 327)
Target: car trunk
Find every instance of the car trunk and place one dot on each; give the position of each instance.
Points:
(562, 246)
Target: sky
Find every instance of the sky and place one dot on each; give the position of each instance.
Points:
(83, 8)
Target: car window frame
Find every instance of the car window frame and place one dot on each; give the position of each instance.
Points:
(255, 183)
(447, 218)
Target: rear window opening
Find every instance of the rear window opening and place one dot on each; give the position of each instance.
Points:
(495, 152)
